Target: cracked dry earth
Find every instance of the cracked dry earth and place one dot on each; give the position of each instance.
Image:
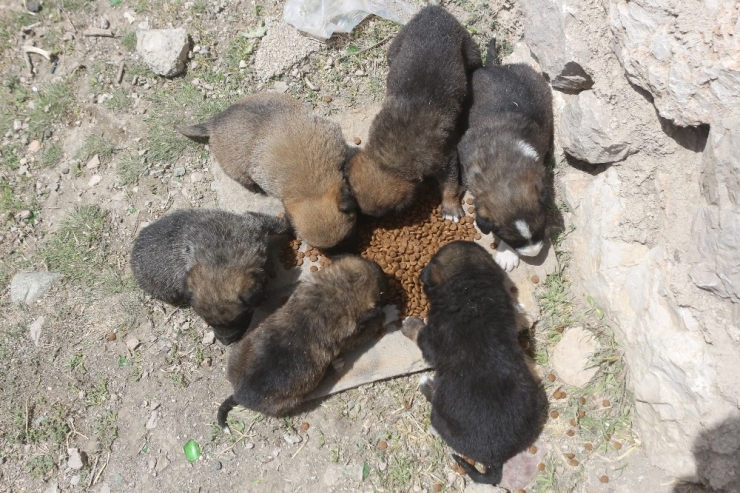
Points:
(102, 386)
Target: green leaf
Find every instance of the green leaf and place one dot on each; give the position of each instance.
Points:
(115, 3)
(365, 470)
(352, 49)
(124, 361)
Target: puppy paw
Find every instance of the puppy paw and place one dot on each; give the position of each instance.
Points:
(452, 212)
(506, 257)
(338, 364)
(411, 327)
(391, 313)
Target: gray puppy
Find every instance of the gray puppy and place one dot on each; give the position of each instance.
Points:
(209, 259)
(502, 156)
(282, 360)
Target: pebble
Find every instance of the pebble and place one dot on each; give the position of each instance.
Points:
(360, 73)
(152, 421)
(76, 460)
(242, 64)
(26, 214)
(132, 343)
(327, 99)
(34, 146)
(217, 465)
(111, 336)
(209, 338)
(179, 171)
(292, 439)
(93, 163)
(94, 180)
(34, 7)
(357, 141)
(197, 177)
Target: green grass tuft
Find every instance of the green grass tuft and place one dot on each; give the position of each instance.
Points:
(51, 106)
(129, 41)
(96, 144)
(52, 155)
(130, 168)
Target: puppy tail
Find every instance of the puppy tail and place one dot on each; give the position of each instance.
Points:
(223, 412)
(492, 475)
(491, 55)
(199, 131)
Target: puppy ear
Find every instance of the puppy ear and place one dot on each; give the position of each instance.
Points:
(253, 296)
(430, 275)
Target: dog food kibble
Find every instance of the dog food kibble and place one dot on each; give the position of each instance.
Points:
(604, 479)
(573, 462)
(403, 243)
(406, 405)
(327, 99)
(358, 141)
(573, 421)
(541, 466)
(514, 289)
(589, 446)
(382, 445)
(559, 394)
(554, 414)
(570, 433)
(471, 210)
(617, 445)
(606, 403)
(582, 401)
(532, 449)
(581, 414)
(112, 336)
(470, 461)
(305, 426)
(570, 455)
(314, 268)
(607, 437)
(469, 201)
(535, 279)
(551, 377)
(437, 486)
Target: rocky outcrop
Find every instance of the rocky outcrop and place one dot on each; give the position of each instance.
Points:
(685, 53)
(551, 30)
(590, 132)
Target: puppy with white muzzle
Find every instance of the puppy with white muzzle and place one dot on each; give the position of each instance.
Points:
(502, 156)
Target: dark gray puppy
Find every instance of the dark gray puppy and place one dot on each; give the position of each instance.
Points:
(278, 363)
(502, 156)
(415, 134)
(487, 402)
(209, 259)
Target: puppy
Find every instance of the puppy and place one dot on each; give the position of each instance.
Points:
(502, 156)
(287, 355)
(416, 132)
(273, 144)
(486, 404)
(209, 259)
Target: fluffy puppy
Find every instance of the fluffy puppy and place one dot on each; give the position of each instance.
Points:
(209, 259)
(416, 132)
(287, 355)
(486, 403)
(502, 155)
(273, 144)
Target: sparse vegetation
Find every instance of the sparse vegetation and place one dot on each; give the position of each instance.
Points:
(96, 144)
(130, 168)
(51, 106)
(52, 155)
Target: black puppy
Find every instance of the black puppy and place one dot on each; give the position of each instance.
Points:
(209, 259)
(486, 402)
(502, 156)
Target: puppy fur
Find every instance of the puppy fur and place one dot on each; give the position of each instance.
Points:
(486, 403)
(273, 144)
(209, 259)
(503, 151)
(287, 355)
(416, 132)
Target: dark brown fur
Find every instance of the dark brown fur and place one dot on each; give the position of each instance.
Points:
(486, 403)
(209, 259)
(282, 360)
(415, 134)
(512, 104)
(272, 143)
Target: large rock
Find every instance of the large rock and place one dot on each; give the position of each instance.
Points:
(590, 132)
(716, 225)
(281, 48)
(164, 50)
(552, 33)
(685, 53)
(27, 287)
(571, 358)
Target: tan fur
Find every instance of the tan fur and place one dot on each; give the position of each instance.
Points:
(377, 191)
(216, 289)
(274, 143)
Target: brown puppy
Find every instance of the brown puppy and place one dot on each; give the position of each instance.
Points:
(416, 132)
(502, 156)
(287, 355)
(209, 259)
(272, 143)
(486, 403)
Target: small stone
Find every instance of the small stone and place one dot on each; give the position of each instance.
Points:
(152, 421)
(111, 336)
(94, 180)
(327, 99)
(64, 169)
(35, 329)
(292, 439)
(357, 141)
(196, 177)
(209, 338)
(34, 146)
(571, 357)
(47, 134)
(76, 459)
(606, 403)
(216, 465)
(28, 287)
(179, 171)
(34, 7)
(25, 215)
(242, 64)
(164, 50)
(104, 23)
(132, 343)
(206, 362)
(93, 163)
(360, 73)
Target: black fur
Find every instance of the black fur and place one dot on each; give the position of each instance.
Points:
(511, 104)
(486, 403)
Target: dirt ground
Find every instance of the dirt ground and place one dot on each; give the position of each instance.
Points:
(126, 381)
